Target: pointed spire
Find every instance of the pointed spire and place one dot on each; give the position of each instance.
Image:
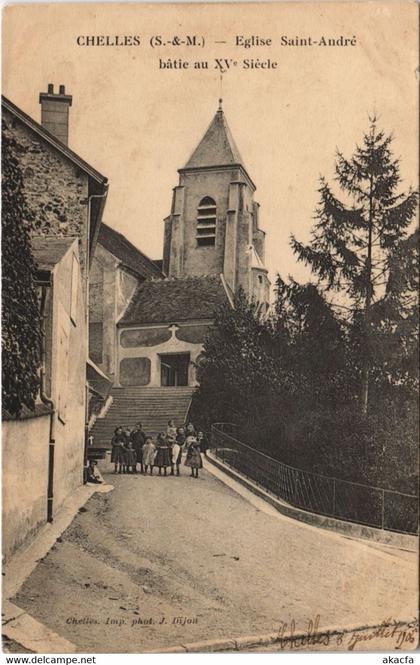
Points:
(217, 147)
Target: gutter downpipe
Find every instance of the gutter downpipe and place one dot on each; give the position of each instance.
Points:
(88, 262)
(48, 402)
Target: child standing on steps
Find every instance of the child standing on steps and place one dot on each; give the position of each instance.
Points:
(176, 452)
(193, 459)
(130, 457)
(117, 454)
(149, 452)
(190, 430)
(202, 442)
(163, 457)
(171, 429)
(138, 438)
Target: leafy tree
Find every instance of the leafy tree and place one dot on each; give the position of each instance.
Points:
(263, 374)
(20, 310)
(354, 243)
(316, 345)
(233, 364)
(292, 381)
(395, 321)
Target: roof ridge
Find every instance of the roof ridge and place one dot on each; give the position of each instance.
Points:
(173, 299)
(47, 251)
(232, 144)
(127, 244)
(191, 278)
(53, 140)
(217, 146)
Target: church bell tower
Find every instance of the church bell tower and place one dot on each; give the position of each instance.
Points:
(213, 228)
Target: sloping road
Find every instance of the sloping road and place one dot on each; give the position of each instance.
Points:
(162, 561)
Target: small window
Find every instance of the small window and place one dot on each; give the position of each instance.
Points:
(206, 222)
(260, 279)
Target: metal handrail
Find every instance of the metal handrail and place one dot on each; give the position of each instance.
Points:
(318, 493)
(312, 473)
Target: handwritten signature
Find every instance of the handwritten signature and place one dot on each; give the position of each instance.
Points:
(401, 634)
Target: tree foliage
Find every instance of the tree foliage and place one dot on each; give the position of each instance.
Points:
(291, 382)
(353, 244)
(356, 245)
(21, 325)
(233, 365)
(395, 323)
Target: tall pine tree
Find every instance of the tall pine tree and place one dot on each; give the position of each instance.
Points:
(354, 243)
(395, 319)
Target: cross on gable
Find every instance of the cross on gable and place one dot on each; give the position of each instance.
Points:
(173, 328)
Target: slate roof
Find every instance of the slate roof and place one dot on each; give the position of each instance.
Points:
(99, 381)
(172, 300)
(49, 250)
(127, 253)
(159, 263)
(217, 147)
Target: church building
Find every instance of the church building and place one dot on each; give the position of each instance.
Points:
(212, 246)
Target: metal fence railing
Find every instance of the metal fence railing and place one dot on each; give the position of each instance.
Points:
(332, 497)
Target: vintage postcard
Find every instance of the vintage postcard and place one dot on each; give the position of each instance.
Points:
(210, 327)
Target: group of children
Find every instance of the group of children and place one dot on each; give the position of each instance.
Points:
(133, 447)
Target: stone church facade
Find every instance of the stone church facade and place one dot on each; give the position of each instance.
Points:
(212, 247)
(118, 268)
(162, 332)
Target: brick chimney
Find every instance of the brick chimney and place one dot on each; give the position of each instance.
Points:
(55, 112)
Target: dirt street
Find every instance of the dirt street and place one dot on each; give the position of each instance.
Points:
(163, 561)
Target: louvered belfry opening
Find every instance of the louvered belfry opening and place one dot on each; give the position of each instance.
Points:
(206, 222)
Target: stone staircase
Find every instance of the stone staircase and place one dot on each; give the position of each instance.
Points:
(152, 406)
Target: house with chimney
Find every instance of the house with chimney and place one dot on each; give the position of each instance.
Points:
(213, 246)
(44, 449)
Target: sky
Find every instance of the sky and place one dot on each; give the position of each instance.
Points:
(138, 123)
